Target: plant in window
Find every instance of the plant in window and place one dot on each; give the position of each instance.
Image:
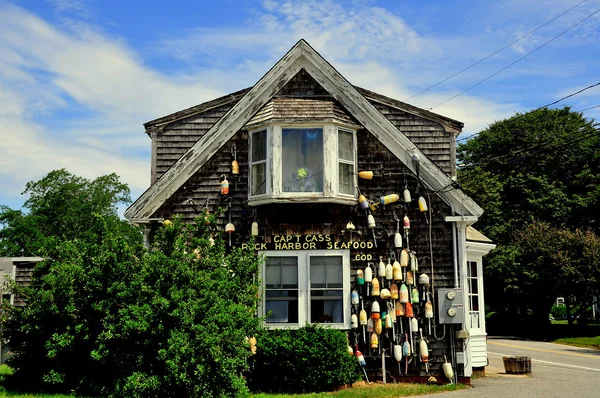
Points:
(304, 181)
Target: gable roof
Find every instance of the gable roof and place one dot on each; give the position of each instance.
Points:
(301, 56)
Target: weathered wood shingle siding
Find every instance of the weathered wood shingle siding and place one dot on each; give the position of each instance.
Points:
(177, 137)
(429, 136)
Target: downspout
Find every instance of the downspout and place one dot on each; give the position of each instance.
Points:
(454, 253)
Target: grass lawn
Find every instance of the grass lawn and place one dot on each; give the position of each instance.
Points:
(373, 391)
(587, 342)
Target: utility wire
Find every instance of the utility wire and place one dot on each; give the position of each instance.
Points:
(496, 52)
(512, 63)
(545, 106)
(587, 109)
(535, 149)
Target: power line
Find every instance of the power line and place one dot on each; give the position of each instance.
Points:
(496, 52)
(511, 64)
(538, 148)
(545, 106)
(587, 109)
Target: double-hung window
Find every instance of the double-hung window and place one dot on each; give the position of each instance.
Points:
(312, 162)
(258, 175)
(301, 287)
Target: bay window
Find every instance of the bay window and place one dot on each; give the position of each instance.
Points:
(301, 287)
(310, 162)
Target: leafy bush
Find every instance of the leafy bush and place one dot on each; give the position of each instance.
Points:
(106, 318)
(559, 312)
(308, 359)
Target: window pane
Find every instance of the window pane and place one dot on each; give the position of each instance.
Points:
(326, 272)
(281, 295)
(281, 273)
(282, 305)
(474, 286)
(259, 146)
(346, 178)
(302, 158)
(345, 146)
(473, 268)
(259, 182)
(326, 306)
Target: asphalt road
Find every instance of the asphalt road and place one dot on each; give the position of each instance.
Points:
(557, 371)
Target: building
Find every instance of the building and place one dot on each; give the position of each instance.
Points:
(291, 149)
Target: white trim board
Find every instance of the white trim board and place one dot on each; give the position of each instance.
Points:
(301, 56)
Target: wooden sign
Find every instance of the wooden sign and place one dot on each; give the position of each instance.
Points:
(308, 242)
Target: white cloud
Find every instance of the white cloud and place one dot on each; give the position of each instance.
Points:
(101, 84)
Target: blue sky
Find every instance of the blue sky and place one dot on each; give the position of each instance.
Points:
(78, 78)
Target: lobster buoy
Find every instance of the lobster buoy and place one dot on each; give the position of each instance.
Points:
(423, 351)
(415, 296)
(414, 325)
(448, 372)
(405, 347)
(362, 316)
(414, 262)
(254, 229)
(360, 358)
(368, 274)
(378, 327)
(360, 277)
(394, 291)
(398, 352)
(224, 186)
(375, 310)
(355, 299)
(235, 167)
(374, 340)
(363, 202)
(423, 280)
(422, 204)
(397, 240)
(408, 310)
(375, 287)
(385, 294)
(381, 271)
(388, 322)
(370, 221)
(229, 228)
(350, 350)
(396, 271)
(403, 296)
(354, 321)
(389, 271)
(399, 309)
(404, 257)
(406, 222)
(428, 310)
(365, 175)
(388, 199)
(410, 280)
(406, 195)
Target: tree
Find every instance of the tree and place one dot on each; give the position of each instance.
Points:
(107, 318)
(557, 262)
(537, 166)
(61, 205)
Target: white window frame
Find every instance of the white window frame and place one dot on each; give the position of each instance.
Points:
(480, 299)
(344, 161)
(274, 166)
(266, 162)
(304, 287)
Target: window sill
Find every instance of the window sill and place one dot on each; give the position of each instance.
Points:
(308, 198)
(339, 326)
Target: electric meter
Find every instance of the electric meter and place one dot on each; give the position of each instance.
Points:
(450, 294)
(451, 311)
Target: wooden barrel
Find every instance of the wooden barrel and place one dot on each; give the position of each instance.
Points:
(517, 365)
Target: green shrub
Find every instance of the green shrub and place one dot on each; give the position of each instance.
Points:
(308, 359)
(108, 319)
(559, 312)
